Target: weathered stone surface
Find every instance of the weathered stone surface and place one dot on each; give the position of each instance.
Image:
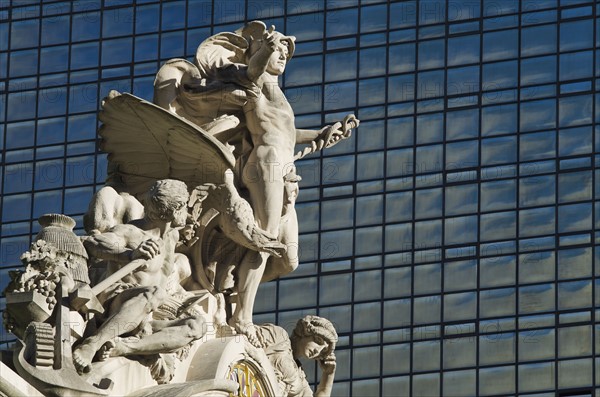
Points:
(12, 385)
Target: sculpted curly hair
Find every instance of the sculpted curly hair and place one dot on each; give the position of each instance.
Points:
(316, 326)
(164, 198)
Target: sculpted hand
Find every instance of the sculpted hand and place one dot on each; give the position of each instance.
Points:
(328, 364)
(146, 250)
(330, 135)
(269, 40)
(343, 130)
(319, 142)
(257, 64)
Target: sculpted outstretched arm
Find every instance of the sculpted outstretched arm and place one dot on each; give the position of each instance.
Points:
(330, 133)
(325, 137)
(307, 136)
(257, 66)
(318, 139)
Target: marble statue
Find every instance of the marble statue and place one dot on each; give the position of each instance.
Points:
(242, 68)
(313, 338)
(197, 211)
(149, 245)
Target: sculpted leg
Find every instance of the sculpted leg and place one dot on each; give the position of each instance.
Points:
(167, 337)
(128, 310)
(109, 208)
(263, 176)
(249, 276)
(288, 235)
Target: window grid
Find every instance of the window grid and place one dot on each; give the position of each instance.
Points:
(416, 182)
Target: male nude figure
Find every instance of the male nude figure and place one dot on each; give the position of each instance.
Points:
(129, 302)
(269, 173)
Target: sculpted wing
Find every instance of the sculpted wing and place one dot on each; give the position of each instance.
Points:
(146, 143)
(211, 91)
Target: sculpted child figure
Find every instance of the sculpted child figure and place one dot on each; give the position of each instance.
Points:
(313, 338)
(128, 302)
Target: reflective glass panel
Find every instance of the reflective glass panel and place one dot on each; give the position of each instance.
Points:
(538, 115)
(401, 58)
(86, 26)
(538, 70)
(500, 75)
(462, 124)
(576, 65)
(463, 50)
(373, 18)
(576, 35)
(538, 221)
(538, 40)
(537, 190)
(428, 203)
(340, 66)
(24, 34)
(461, 230)
(497, 120)
(461, 199)
(431, 54)
(500, 45)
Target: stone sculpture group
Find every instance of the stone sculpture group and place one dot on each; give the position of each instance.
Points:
(197, 211)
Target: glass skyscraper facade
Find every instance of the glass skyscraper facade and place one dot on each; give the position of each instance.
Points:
(452, 240)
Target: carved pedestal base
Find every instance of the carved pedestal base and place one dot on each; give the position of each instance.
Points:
(215, 366)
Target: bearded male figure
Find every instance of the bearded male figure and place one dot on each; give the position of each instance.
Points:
(151, 242)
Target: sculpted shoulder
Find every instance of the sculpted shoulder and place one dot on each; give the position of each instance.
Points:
(129, 232)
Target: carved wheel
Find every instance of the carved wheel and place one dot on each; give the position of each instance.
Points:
(250, 383)
(39, 344)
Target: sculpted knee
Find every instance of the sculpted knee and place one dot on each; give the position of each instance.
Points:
(291, 258)
(269, 164)
(267, 154)
(154, 296)
(290, 264)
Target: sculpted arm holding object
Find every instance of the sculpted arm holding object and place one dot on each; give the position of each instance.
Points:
(132, 298)
(121, 245)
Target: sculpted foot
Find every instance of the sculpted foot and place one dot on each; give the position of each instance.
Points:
(248, 329)
(82, 358)
(220, 317)
(116, 348)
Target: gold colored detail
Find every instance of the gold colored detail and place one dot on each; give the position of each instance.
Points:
(250, 385)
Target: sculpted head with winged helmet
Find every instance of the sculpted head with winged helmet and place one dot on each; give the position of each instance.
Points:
(238, 47)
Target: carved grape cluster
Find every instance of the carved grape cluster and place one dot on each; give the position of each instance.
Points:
(41, 254)
(40, 273)
(43, 282)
